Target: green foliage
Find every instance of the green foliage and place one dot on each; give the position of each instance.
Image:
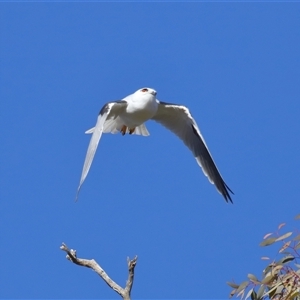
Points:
(281, 278)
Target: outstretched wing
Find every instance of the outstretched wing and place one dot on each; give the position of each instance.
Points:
(178, 119)
(109, 111)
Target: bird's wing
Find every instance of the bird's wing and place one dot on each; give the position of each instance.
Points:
(109, 111)
(178, 119)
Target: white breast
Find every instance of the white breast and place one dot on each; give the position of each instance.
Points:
(139, 110)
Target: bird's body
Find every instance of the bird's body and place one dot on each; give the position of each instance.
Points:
(140, 109)
(129, 115)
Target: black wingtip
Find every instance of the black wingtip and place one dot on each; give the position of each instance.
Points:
(226, 194)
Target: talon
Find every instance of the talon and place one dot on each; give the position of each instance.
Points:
(131, 131)
(123, 130)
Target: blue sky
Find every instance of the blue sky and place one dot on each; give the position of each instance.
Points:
(235, 65)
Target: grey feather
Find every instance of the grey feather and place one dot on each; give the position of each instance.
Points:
(178, 119)
(108, 111)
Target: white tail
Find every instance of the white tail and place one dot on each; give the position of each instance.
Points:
(113, 127)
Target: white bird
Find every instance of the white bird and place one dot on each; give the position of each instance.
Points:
(129, 115)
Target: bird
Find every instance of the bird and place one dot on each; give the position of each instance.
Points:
(129, 116)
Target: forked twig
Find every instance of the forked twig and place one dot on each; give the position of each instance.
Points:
(91, 263)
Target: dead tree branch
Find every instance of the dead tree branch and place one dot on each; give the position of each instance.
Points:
(91, 263)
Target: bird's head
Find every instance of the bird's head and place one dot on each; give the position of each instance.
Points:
(146, 92)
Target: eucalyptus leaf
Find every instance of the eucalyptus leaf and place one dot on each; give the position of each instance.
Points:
(232, 284)
(267, 235)
(253, 295)
(276, 269)
(267, 279)
(260, 291)
(268, 242)
(284, 236)
(276, 291)
(267, 269)
(232, 293)
(242, 286)
(253, 278)
(265, 258)
(241, 293)
(269, 292)
(293, 294)
(249, 293)
(286, 259)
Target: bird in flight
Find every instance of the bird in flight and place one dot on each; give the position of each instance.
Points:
(129, 115)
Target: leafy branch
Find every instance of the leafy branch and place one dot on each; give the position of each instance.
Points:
(281, 278)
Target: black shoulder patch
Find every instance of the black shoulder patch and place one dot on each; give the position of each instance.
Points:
(166, 103)
(104, 109)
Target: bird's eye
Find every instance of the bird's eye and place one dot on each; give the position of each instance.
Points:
(144, 90)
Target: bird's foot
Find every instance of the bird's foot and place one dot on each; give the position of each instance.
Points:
(131, 131)
(123, 130)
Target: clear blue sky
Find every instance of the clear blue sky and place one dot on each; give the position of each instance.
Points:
(235, 65)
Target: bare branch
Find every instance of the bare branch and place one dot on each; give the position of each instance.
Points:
(131, 266)
(91, 263)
